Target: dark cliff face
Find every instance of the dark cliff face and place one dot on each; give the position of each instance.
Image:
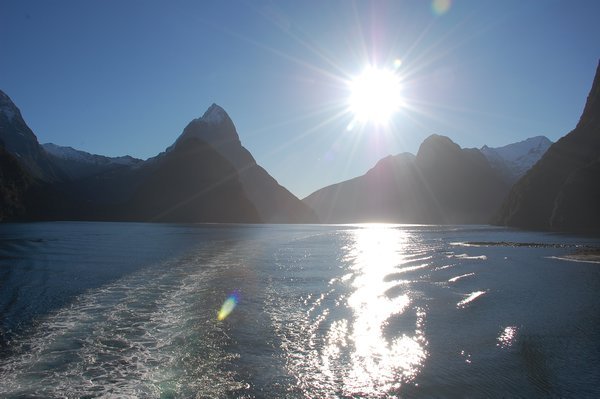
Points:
(20, 142)
(442, 184)
(15, 182)
(192, 183)
(462, 183)
(561, 192)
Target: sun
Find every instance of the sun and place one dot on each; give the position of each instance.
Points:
(375, 95)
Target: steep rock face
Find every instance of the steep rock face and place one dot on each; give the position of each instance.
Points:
(514, 160)
(192, 183)
(442, 184)
(14, 184)
(462, 183)
(560, 192)
(76, 164)
(20, 142)
(274, 202)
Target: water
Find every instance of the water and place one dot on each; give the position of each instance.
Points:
(130, 310)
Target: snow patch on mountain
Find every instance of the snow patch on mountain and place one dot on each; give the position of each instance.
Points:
(214, 115)
(214, 128)
(514, 160)
(69, 153)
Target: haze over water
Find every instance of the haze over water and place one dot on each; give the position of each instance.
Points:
(99, 309)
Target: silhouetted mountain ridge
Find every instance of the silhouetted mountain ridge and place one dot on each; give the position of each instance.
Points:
(561, 192)
(22, 143)
(442, 184)
(205, 176)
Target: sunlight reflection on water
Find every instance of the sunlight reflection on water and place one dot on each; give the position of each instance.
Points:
(377, 364)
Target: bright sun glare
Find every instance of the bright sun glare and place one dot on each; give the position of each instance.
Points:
(375, 95)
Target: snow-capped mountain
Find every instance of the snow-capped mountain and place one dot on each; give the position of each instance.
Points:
(514, 160)
(76, 164)
(72, 154)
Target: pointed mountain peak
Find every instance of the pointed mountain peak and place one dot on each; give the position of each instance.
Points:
(215, 127)
(7, 107)
(591, 112)
(215, 115)
(4, 97)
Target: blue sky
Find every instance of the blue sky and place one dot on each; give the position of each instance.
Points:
(119, 77)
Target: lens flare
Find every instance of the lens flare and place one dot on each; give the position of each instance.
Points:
(440, 7)
(228, 306)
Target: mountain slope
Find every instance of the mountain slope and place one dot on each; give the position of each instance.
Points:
(205, 176)
(442, 184)
(274, 202)
(15, 181)
(192, 183)
(561, 192)
(514, 160)
(76, 164)
(20, 142)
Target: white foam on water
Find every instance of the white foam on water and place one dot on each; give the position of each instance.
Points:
(132, 338)
(569, 259)
(467, 256)
(455, 279)
(470, 298)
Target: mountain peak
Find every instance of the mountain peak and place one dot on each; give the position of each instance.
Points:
(215, 127)
(435, 145)
(215, 115)
(7, 107)
(589, 117)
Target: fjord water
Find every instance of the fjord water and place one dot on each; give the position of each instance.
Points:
(117, 309)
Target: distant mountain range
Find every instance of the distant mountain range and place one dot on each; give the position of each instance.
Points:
(443, 184)
(533, 184)
(76, 164)
(205, 176)
(208, 176)
(562, 191)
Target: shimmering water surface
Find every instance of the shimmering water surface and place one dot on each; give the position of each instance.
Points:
(184, 311)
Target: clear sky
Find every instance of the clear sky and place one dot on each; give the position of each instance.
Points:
(118, 77)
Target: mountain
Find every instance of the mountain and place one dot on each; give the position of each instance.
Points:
(20, 142)
(192, 183)
(15, 182)
(443, 184)
(514, 160)
(205, 176)
(76, 164)
(561, 191)
(275, 204)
